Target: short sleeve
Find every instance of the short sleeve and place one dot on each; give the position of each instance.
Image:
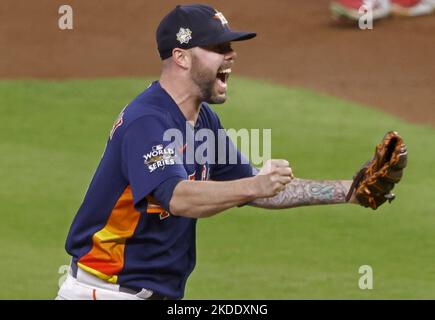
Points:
(230, 164)
(148, 161)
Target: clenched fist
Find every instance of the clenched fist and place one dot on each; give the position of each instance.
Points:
(272, 178)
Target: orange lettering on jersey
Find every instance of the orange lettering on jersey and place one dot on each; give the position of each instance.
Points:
(154, 206)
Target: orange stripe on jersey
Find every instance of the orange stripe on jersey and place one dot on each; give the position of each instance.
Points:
(106, 258)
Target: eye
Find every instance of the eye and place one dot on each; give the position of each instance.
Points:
(225, 48)
(222, 48)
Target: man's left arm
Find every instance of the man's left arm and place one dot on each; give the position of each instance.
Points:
(300, 192)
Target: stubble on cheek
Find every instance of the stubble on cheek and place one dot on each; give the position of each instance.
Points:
(205, 81)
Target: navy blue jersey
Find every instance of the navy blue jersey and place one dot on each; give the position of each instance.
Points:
(123, 232)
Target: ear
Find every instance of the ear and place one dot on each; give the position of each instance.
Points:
(182, 58)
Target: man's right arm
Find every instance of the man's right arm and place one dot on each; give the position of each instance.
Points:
(200, 199)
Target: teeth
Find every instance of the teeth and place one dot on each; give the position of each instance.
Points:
(225, 71)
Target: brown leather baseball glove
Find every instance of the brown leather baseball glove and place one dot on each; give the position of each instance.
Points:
(374, 181)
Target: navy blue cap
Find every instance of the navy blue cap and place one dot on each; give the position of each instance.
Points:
(195, 25)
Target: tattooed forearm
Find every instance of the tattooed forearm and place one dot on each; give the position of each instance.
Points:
(307, 192)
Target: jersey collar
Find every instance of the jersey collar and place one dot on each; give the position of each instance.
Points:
(173, 108)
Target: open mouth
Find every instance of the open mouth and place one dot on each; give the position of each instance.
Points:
(223, 76)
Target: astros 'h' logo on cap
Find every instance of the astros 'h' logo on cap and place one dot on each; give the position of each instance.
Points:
(221, 17)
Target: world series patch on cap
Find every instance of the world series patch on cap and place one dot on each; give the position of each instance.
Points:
(192, 26)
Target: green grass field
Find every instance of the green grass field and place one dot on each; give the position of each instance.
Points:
(53, 134)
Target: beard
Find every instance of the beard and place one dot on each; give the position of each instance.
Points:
(205, 80)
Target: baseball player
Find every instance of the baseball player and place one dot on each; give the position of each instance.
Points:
(134, 234)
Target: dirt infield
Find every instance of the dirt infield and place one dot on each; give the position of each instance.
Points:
(391, 67)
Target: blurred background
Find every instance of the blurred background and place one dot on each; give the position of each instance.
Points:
(327, 89)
